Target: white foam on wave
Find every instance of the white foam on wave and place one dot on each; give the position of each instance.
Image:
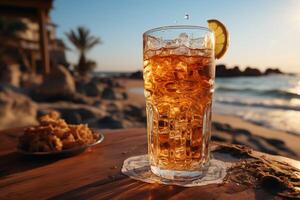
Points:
(277, 119)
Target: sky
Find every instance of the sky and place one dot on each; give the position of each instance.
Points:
(263, 33)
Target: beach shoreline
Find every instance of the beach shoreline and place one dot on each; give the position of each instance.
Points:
(290, 140)
(249, 131)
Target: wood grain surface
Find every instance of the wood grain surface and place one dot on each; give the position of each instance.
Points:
(95, 174)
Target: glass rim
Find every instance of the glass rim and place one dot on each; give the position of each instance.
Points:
(161, 28)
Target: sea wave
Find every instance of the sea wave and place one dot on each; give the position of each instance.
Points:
(283, 120)
(266, 104)
(272, 92)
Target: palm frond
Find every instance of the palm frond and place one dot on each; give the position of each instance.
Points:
(82, 39)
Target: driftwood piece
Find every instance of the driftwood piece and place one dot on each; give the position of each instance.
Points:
(277, 177)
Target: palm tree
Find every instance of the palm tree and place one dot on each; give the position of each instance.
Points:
(83, 42)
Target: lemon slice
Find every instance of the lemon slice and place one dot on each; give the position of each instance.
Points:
(221, 37)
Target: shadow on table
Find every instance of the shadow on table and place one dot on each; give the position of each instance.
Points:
(122, 187)
(12, 163)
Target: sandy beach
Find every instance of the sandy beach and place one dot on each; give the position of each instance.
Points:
(292, 141)
(236, 130)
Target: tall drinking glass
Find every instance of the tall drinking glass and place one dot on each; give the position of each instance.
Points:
(179, 75)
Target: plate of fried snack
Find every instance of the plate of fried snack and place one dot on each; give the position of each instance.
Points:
(53, 136)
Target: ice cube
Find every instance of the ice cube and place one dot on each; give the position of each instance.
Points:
(170, 86)
(180, 72)
(181, 66)
(196, 134)
(154, 43)
(179, 148)
(150, 53)
(174, 111)
(163, 124)
(163, 109)
(183, 36)
(181, 50)
(197, 43)
(172, 43)
(183, 39)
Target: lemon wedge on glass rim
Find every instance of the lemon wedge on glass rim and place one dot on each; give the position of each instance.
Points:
(221, 37)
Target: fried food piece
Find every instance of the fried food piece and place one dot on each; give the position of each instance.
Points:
(82, 133)
(54, 134)
(52, 116)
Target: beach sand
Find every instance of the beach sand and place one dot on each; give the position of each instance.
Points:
(232, 129)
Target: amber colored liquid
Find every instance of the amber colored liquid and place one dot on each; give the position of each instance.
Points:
(178, 91)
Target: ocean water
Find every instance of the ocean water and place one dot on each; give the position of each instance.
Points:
(272, 101)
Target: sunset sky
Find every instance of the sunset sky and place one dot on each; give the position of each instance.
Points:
(264, 33)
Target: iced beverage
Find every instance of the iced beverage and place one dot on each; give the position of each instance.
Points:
(178, 86)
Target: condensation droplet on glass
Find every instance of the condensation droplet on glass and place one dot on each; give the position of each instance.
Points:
(187, 16)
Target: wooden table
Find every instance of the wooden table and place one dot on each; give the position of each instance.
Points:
(95, 174)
